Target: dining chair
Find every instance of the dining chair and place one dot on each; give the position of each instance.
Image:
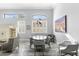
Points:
(52, 38)
(39, 46)
(47, 41)
(31, 42)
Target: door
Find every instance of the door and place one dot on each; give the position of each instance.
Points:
(21, 27)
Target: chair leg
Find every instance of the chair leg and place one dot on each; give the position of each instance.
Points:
(43, 52)
(34, 52)
(31, 45)
(49, 45)
(59, 52)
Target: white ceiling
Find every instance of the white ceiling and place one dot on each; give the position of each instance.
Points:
(27, 5)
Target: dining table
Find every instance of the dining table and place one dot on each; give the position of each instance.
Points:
(39, 37)
(39, 43)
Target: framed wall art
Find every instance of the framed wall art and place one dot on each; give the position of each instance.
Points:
(39, 24)
(61, 24)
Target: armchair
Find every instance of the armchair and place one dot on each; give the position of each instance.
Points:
(8, 46)
(71, 50)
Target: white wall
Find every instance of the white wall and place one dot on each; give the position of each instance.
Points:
(72, 12)
(28, 18)
(4, 32)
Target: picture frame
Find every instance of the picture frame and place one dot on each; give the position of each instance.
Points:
(39, 24)
(61, 24)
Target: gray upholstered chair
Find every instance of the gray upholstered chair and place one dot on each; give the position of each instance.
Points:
(1, 43)
(71, 50)
(63, 45)
(7, 47)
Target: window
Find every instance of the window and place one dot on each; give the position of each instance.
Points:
(9, 16)
(39, 17)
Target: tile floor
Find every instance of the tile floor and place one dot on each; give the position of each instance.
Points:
(24, 50)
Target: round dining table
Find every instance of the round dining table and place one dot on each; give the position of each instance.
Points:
(39, 37)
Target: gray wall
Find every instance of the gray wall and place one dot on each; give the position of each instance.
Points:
(28, 18)
(72, 12)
